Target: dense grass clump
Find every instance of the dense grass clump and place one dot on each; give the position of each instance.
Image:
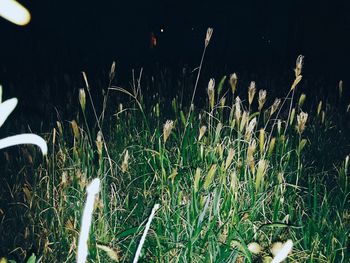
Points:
(236, 180)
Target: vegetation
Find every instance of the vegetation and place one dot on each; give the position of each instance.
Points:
(235, 180)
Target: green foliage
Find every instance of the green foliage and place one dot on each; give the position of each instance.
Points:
(239, 183)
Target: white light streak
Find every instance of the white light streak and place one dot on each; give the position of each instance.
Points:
(26, 138)
(283, 253)
(92, 190)
(6, 108)
(14, 12)
(143, 238)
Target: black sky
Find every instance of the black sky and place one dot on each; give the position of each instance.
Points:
(68, 36)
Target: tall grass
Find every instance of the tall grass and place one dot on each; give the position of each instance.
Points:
(235, 181)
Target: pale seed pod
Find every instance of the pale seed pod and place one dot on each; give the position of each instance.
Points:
(202, 131)
(275, 106)
(229, 158)
(251, 92)
(233, 82)
(301, 121)
(125, 164)
(211, 93)
(301, 100)
(168, 126)
(262, 98)
(254, 248)
(82, 99)
(208, 36)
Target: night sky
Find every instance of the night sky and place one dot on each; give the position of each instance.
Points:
(70, 36)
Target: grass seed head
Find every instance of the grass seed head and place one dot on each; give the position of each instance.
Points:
(292, 115)
(282, 254)
(75, 130)
(254, 248)
(211, 92)
(125, 164)
(210, 176)
(262, 98)
(296, 81)
(208, 36)
(250, 155)
(112, 71)
(233, 182)
(222, 101)
(197, 178)
(250, 129)
(251, 92)
(59, 127)
(168, 126)
(202, 131)
(272, 145)
(261, 140)
(231, 153)
(340, 88)
(82, 99)
(276, 247)
(319, 108)
(275, 106)
(279, 125)
(99, 143)
(238, 110)
(262, 167)
(301, 121)
(301, 100)
(244, 120)
(299, 65)
(233, 82)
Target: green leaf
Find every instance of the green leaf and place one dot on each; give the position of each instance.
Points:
(128, 232)
(183, 118)
(32, 259)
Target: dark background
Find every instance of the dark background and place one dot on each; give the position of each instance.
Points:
(71, 36)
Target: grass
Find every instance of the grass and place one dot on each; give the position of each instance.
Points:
(233, 179)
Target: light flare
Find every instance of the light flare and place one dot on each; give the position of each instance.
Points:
(14, 12)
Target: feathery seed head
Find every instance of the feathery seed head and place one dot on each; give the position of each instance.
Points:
(279, 125)
(202, 131)
(99, 143)
(301, 121)
(262, 98)
(211, 92)
(82, 99)
(238, 111)
(251, 92)
(233, 82)
(299, 65)
(125, 164)
(208, 36)
(168, 126)
(250, 129)
(112, 71)
(231, 153)
(254, 248)
(282, 254)
(275, 106)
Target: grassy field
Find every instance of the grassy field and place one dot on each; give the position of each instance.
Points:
(235, 179)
